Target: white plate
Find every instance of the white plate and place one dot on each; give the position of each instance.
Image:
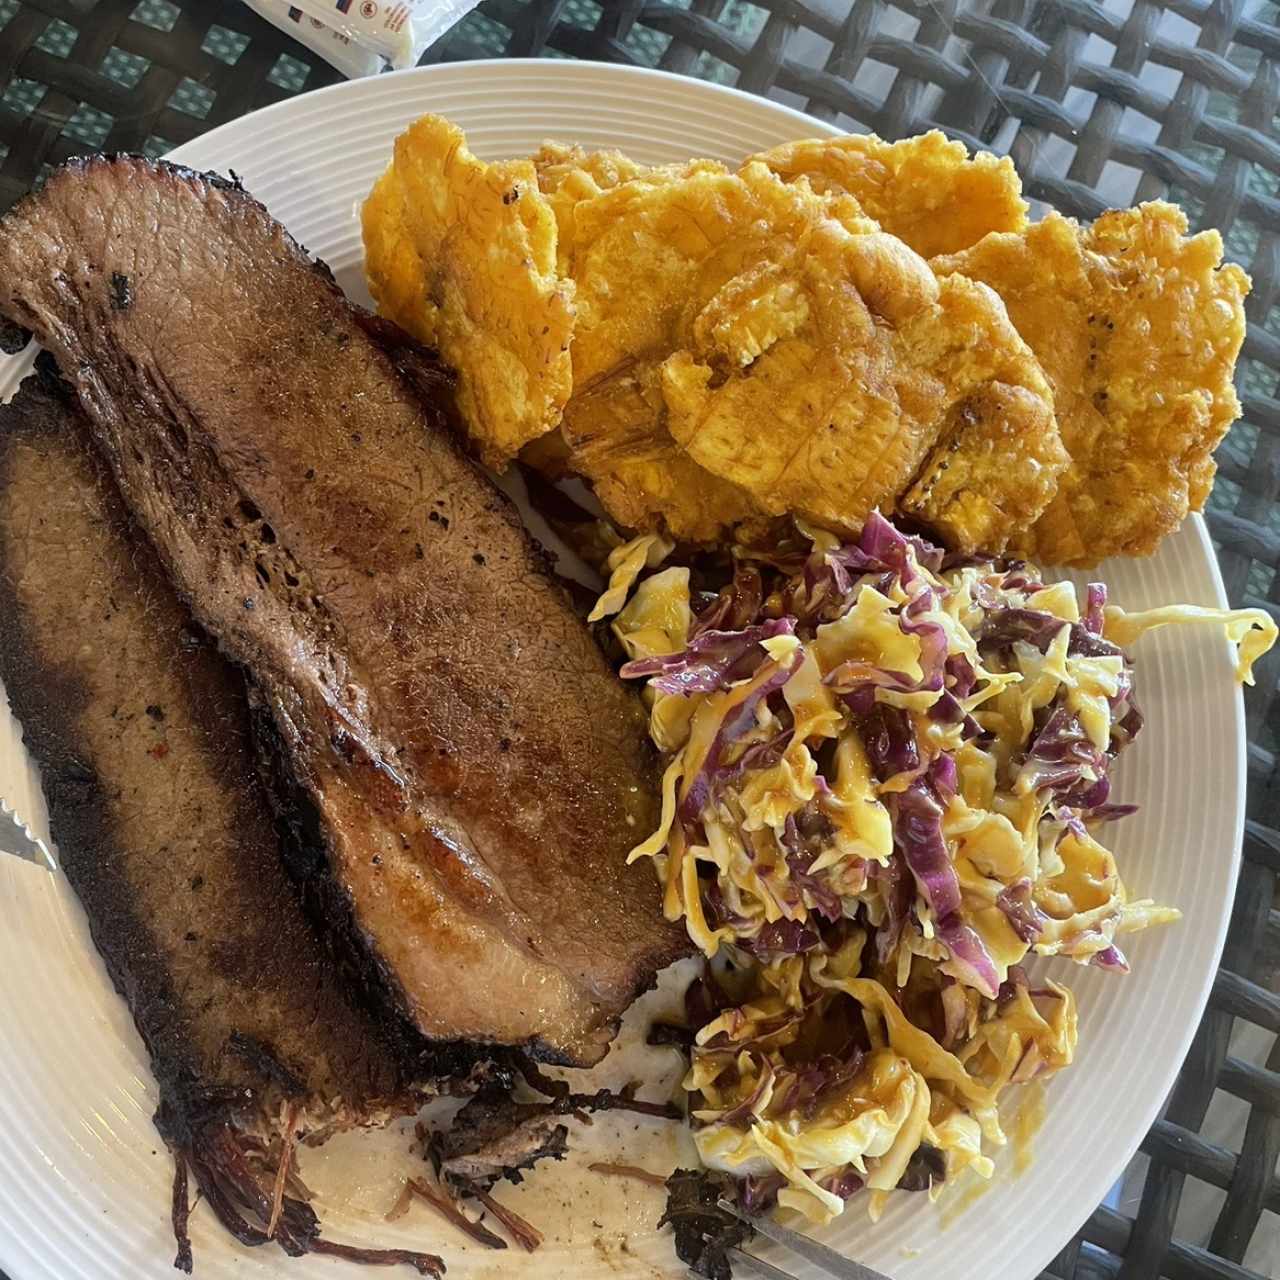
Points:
(84, 1184)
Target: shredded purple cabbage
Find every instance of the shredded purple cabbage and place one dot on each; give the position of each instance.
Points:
(959, 679)
(740, 719)
(714, 659)
(1111, 812)
(970, 960)
(829, 583)
(782, 938)
(1062, 757)
(758, 1193)
(917, 834)
(801, 853)
(953, 560)
(927, 554)
(1004, 626)
(762, 1030)
(1111, 958)
(1018, 577)
(737, 605)
(759, 755)
(890, 741)
(822, 1079)
(943, 776)
(861, 699)
(882, 542)
(1025, 918)
(897, 890)
(947, 710)
(1126, 719)
(933, 639)
(1091, 796)
(717, 910)
(844, 1182)
(1095, 607)
(743, 1115)
(960, 675)
(1015, 981)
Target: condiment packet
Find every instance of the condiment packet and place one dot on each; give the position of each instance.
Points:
(361, 37)
(337, 49)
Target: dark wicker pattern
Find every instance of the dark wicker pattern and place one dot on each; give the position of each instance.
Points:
(121, 75)
(1099, 104)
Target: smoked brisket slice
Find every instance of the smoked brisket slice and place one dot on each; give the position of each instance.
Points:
(465, 771)
(140, 730)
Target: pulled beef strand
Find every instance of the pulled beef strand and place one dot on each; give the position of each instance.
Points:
(444, 1204)
(288, 1141)
(218, 1159)
(605, 1100)
(425, 1264)
(523, 1232)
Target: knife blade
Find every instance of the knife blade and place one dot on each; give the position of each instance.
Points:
(16, 839)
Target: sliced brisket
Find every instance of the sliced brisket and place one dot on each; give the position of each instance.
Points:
(141, 732)
(462, 768)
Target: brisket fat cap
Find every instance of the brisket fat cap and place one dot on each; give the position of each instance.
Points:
(140, 730)
(474, 771)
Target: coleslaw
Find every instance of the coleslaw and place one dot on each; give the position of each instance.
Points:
(887, 787)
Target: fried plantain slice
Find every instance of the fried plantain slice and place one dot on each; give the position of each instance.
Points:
(927, 190)
(462, 254)
(1137, 327)
(646, 256)
(843, 374)
(617, 435)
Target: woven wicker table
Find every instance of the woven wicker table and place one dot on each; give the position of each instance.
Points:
(1099, 104)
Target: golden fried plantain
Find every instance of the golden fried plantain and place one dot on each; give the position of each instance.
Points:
(393, 266)
(618, 440)
(646, 257)
(994, 468)
(752, 343)
(926, 190)
(557, 164)
(612, 432)
(568, 175)
(843, 374)
(1138, 327)
(462, 254)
